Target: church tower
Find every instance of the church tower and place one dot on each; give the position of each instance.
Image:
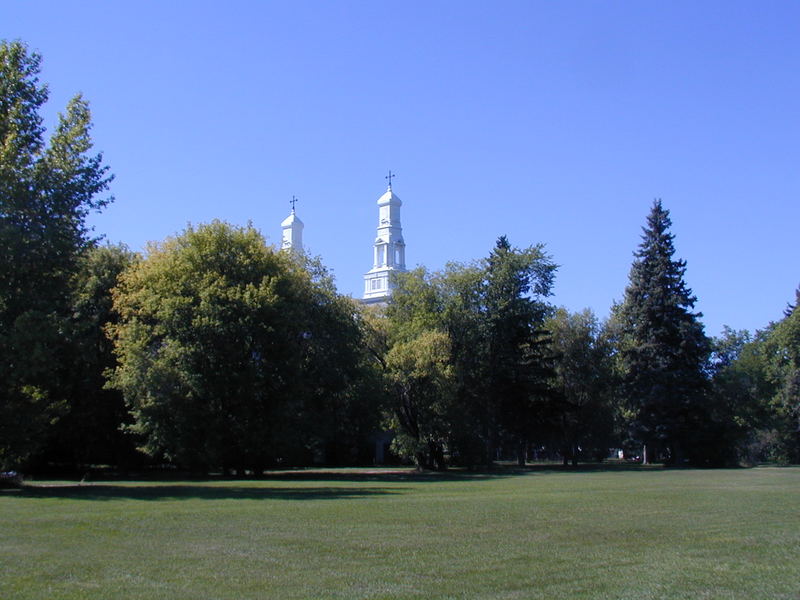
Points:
(389, 252)
(292, 231)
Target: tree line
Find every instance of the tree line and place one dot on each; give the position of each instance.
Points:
(212, 350)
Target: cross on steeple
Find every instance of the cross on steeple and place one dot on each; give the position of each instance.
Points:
(389, 177)
(293, 201)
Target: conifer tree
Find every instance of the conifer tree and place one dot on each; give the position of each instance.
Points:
(664, 349)
(517, 364)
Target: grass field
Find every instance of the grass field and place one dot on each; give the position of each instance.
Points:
(546, 534)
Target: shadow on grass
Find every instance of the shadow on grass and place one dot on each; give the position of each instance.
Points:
(180, 486)
(365, 475)
(499, 470)
(147, 491)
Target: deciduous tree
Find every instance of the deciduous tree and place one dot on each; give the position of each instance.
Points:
(419, 376)
(782, 354)
(585, 382)
(46, 192)
(90, 430)
(231, 354)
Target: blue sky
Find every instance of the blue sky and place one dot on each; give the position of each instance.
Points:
(549, 122)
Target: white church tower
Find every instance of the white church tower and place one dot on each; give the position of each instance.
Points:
(389, 252)
(292, 230)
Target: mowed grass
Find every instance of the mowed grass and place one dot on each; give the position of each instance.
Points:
(550, 534)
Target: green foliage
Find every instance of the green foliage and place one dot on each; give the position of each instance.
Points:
(741, 393)
(492, 314)
(586, 381)
(663, 349)
(517, 370)
(755, 382)
(90, 430)
(229, 353)
(782, 356)
(46, 192)
(420, 377)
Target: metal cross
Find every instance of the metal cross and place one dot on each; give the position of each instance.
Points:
(389, 177)
(293, 201)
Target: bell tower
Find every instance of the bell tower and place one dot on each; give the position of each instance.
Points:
(389, 250)
(292, 234)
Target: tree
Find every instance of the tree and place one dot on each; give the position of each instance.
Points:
(585, 383)
(517, 370)
(231, 354)
(337, 414)
(782, 355)
(420, 378)
(413, 353)
(664, 350)
(90, 431)
(46, 192)
(492, 313)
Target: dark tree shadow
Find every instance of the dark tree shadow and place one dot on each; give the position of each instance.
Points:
(381, 476)
(163, 485)
(104, 491)
(497, 471)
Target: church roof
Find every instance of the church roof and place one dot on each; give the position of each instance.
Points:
(291, 220)
(389, 198)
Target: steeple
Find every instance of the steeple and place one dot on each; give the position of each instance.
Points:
(389, 251)
(292, 230)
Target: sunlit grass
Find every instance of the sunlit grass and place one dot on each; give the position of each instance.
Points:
(355, 534)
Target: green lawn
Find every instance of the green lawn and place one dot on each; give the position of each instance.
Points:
(546, 534)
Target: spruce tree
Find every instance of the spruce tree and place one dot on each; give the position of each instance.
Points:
(664, 350)
(517, 365)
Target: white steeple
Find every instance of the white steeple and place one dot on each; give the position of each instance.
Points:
(389, 253)
(292, 230)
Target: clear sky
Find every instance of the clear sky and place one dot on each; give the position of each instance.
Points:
(549, 122)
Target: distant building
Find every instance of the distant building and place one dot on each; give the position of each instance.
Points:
(292, 226)
(389, 250)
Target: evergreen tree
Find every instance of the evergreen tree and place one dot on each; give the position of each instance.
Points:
(664, 350)
(46, 192)
(517, 369)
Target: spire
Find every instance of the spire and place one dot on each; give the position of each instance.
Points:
(292, 234)
(389, 249)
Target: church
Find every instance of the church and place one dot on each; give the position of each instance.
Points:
(388, 252)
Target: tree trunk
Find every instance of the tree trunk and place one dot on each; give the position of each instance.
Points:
(419, 458)
(644, 455)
